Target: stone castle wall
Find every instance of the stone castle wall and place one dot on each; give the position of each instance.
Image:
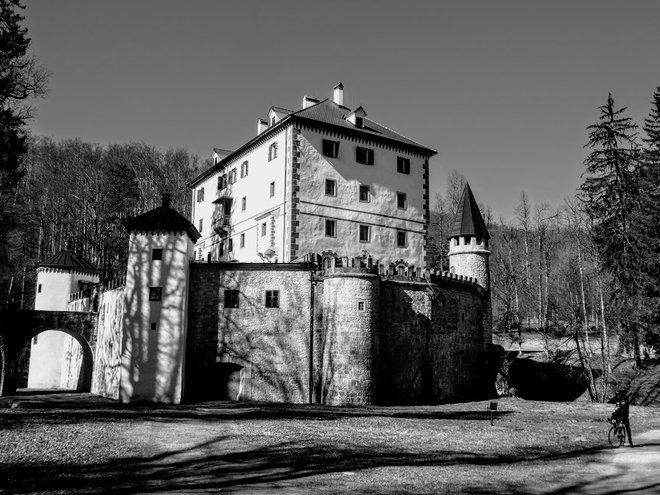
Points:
(251, 352)
(387, 339)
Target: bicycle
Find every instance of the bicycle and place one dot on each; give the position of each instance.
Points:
(617, 434)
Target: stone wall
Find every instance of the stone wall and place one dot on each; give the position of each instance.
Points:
(252, 352)
(431, 343)
(107, 359)
(384, 339)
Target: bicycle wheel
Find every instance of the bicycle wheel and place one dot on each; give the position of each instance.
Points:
(613, 437)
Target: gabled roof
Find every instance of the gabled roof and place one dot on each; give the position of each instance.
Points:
(164, 219)
(329, 113)
(68, 260)
(326, 114)
(468, 220)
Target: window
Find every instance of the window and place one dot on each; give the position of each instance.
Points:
(403, 165)
(272, 298)
(221, 248)
(222, 181)
(263, 229)
(156, 254)
(244, 169)
(201, 225)
(272, 120)
(330, 228)
(242, 240)
(364, 155)
(272, 152)
(364, 193)
(230, 246)
(243, 203)
(155, 293)
(154, 325)
(401, 200)
(365, 233)
(200, 195)
(330, 148)
(401, 239)
(231, 299)
(272, 189)
(232, 176)
(330, 187)
(359, 122)
(39, 289)
(360, 305)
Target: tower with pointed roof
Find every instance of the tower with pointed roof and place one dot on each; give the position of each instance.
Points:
(468, 242)
(155, 305)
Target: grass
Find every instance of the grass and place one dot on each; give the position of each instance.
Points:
(533, 447)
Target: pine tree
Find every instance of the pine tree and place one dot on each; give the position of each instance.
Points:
(611, 198)
(648, 221)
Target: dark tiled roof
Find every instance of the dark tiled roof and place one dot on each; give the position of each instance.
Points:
(328, 112)
(163, 219)
(220, 152)
(468, 220)
(330, 115)
(68, 260)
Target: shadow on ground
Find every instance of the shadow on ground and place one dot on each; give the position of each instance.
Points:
(204, 468)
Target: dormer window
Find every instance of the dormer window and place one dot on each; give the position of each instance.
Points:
(357, 117)
(272, 120)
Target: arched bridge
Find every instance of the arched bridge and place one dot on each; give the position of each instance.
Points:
(18, 327)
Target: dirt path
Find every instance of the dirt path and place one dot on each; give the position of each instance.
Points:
(623, 470)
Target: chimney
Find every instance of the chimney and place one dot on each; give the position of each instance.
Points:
(308, 101)
(338, 95)
(167, 199)
(262, 125)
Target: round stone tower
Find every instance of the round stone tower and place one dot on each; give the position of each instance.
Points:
(468, 242)
(350, 318)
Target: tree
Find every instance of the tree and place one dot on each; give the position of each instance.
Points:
(648, 222)
(610, 195)
(21, 80)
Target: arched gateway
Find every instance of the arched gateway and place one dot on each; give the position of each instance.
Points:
(17, 328)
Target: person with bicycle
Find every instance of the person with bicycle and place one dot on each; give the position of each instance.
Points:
(622, 413)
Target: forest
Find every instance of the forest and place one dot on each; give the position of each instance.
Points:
(589, 268)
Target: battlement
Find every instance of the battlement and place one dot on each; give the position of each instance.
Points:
(401, 272)
(97, 288)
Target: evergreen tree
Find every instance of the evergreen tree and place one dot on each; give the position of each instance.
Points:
(20, 81)
(611, 198)
(648, 221)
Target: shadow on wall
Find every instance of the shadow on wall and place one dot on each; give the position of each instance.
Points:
(248, 352)
(153, 340)
(534, 380)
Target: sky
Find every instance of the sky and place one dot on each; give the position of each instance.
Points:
(502, 90)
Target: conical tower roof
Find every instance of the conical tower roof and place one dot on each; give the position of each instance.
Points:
(164, 219)
(68, 260)
(468, 220)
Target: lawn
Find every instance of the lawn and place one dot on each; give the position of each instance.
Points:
(533, 447)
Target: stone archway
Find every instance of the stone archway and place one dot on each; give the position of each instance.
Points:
(17, 328)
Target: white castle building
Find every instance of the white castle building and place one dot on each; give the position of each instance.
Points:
(323, 178)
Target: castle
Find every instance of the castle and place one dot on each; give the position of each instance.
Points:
(301, 278)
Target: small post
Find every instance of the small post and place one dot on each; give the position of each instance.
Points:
(492, 407)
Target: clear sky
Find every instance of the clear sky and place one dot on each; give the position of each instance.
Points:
(503, 90)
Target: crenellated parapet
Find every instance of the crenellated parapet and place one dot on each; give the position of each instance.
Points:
(399, 272)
